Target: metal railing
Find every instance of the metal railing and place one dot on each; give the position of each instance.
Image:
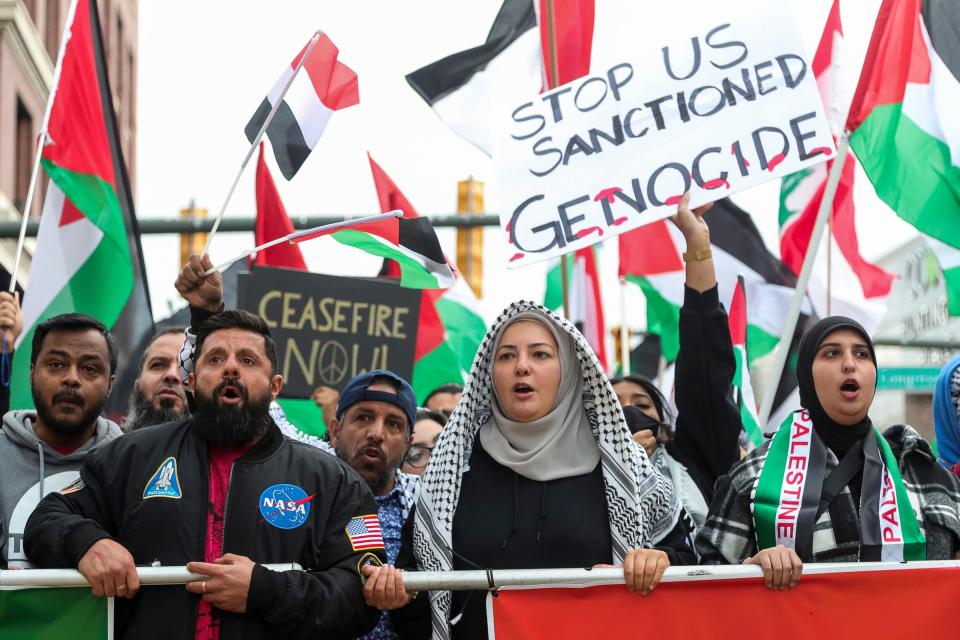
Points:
(11, 228)
(472, 580)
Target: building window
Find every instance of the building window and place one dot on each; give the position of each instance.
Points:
(24, 155)
(53, 29)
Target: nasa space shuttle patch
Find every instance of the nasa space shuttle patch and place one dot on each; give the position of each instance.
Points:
(165, 482)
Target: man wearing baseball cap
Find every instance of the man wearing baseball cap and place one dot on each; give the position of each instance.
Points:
(372, 431)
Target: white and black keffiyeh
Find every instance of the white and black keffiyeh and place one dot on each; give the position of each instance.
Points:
(641, 502)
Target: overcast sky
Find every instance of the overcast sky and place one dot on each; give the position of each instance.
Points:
(205, 66)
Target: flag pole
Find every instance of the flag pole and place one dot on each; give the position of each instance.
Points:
(31, 189)
(259, 136)
(830, 263)
(333, 226)
(553, 75)
(790, 325)
(624, 332)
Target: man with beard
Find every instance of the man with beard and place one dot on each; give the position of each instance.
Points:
(227, 488)
(371, 432)
(72, 368)
(158, 394)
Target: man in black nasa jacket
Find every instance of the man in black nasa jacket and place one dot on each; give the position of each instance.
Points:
(223, 491)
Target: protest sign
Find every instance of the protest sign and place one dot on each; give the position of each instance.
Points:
(730, 106)
(329, 329)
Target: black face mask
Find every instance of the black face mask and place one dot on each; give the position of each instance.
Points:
(637, 420)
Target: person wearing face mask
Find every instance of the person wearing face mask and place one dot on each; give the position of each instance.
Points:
(705, 443)
(538, 441)
(829, 487)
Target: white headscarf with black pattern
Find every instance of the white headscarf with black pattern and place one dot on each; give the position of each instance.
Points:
(641, 502)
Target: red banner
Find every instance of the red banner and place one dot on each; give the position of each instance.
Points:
(898, 603)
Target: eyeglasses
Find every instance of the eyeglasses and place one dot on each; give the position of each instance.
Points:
(418, 455)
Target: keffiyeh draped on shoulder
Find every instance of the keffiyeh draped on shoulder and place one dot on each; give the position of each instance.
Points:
(641, 503)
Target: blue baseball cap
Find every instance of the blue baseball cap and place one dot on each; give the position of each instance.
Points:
(356, 391)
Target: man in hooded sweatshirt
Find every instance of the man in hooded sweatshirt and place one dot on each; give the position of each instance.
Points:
(72, 365)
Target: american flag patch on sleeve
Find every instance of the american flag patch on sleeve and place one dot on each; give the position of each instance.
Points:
(364, 533)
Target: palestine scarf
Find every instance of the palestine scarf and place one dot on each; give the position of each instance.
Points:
(788, 495)
(641, 503)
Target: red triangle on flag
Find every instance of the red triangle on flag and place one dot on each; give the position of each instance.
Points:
(69, 213)
(648, 250)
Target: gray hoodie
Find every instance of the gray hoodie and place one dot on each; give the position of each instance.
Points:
(29, 470)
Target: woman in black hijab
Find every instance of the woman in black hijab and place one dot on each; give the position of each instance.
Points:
(829, 487)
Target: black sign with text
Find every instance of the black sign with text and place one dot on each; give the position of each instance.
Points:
(329, 329)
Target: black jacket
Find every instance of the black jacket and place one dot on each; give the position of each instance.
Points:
(707, 440)
(325, 601)
(516, 523)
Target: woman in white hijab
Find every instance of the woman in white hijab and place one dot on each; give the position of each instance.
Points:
(556, 480)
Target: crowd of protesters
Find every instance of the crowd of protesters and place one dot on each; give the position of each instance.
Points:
(207, 472)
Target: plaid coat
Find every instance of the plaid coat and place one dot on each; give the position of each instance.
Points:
(729, 537)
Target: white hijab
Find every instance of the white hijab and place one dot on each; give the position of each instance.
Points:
(561, 443)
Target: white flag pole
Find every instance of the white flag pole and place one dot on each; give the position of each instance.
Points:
(31, 189)
(258, 137)
(793, 314)
(333, 226)
(42, 140)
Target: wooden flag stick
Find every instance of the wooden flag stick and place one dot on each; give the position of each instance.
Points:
(259, 136)
(290, 237)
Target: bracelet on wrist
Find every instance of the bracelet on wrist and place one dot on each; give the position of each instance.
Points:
(698, 255)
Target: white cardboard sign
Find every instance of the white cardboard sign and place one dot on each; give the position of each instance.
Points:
(728, 107)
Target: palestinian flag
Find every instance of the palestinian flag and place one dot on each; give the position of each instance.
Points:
(948, 259)
(858, 289)
(88, 247)
(903, 121)
(451, 325)
(583, 291)
(743, 388)
(650, 257)
(464, 88)
(412, 243)
(316, 85)
(516, 59)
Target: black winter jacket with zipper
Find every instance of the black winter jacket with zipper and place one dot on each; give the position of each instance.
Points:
(118, 500)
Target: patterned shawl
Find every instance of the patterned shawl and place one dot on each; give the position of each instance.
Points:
(641, 502)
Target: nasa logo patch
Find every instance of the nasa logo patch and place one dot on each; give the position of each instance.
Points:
(285, 506)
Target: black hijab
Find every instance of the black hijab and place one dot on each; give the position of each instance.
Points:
(838, 437)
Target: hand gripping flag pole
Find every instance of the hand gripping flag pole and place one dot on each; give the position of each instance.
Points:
(256, 140)
(315, 231)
